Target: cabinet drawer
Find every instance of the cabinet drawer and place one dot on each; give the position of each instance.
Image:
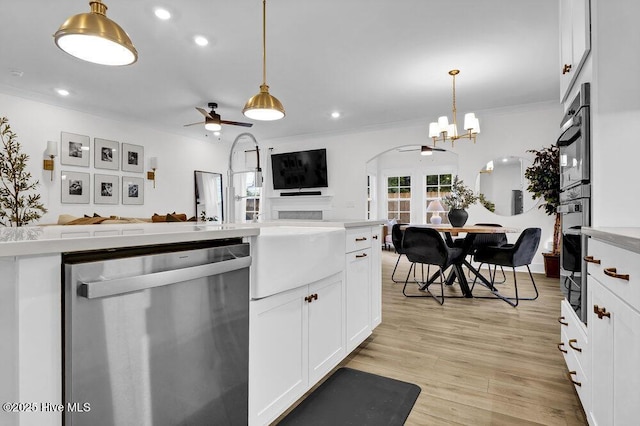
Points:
(573, 336)
(618, 270)
(358, 239)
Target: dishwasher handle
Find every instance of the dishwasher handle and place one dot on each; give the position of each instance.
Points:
(97, 289)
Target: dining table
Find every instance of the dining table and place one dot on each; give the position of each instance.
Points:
(457, 271)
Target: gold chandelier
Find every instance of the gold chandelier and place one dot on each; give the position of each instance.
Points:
(95, 38)
(444, 131)
(264, 106)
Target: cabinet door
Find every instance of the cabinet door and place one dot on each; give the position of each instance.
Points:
(615, 355)
(376, 277)
(358, 317)
(575, 41)
(278, 353)
(326, 327)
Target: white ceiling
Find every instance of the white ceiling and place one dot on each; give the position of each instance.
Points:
(376, 61)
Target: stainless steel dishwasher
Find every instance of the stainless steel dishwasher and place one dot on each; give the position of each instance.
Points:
(157, 335)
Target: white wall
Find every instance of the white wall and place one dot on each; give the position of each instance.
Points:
(36, 123)
(505, 132)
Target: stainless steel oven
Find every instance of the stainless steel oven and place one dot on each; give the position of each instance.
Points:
(575, 198)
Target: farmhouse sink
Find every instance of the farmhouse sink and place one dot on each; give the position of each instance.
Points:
(286, 257)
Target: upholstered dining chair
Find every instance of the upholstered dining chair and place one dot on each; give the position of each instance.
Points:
(396, 239)
(513, 255)
(484, 240)
(426, 246)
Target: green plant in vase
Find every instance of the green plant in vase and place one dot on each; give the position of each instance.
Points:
(458, 200)
(18, 205)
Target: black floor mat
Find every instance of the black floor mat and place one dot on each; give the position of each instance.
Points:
(352, 397)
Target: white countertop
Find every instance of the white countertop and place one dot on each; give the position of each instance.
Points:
(626, 238)
(34, 240)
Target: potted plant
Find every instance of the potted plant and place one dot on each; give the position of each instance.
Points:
(18, 207)
(458, 200)
(544, 182)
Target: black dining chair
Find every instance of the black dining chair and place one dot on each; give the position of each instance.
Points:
(426, 246)
(484, 240)
(396, 239)
(512, 255)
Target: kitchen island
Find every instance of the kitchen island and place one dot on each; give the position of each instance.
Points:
(31, 321)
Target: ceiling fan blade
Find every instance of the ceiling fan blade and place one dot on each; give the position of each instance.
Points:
(236, 123)
(204, 112)
(194, 124)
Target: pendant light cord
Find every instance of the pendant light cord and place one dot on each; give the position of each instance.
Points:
(454, 100)
(264, 42)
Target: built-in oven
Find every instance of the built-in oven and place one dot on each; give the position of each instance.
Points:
(574, 143)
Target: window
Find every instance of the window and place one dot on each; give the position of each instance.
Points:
(399, 198)
(437, 186)
(252, 197)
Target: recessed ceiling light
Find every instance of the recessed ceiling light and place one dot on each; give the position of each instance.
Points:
(505, 159)
(163, 14)
(62, 92)
(200, 40)
(335, 114)
(216, 133)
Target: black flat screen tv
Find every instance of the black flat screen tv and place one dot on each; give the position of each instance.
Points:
(302, 169)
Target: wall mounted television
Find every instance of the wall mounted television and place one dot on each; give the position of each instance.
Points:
(301, 169)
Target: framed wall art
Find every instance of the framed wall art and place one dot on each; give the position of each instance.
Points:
(106, 154)
(74, 150)
(75, 187)
(132, 190)
(106, 189)
(132, 158)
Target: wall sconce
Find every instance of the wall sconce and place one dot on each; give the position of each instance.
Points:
(153, 165)
(52, 151)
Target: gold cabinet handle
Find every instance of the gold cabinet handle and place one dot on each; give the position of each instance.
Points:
(601, 312)
(590, 259)
(571, 342)
(570, 377)
(560, 320)
(613, 272)
(361, 255)
(566, 68)
(560, 345)
(361, 239)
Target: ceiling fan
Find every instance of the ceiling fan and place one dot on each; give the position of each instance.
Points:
(212, 119)
(424, 149)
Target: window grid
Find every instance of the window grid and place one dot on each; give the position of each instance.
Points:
(399, 198)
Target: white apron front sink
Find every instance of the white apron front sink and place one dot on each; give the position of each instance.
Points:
(286, 257)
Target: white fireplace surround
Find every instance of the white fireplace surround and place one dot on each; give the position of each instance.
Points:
(303, 207)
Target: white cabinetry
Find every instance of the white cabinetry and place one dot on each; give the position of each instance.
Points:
(614, 330)
(575, 41)
(575, 349)
(357, 280)
(376, 276)
(296, 337)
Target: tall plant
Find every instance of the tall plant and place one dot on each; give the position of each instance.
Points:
(18, 205)
(544, 182)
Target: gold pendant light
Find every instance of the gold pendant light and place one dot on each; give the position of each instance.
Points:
(95, 38)
(264, 106)
(443, 131)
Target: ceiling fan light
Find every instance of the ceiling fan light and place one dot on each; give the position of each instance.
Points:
(95, 38)
(213, 127)
(425, 150)
(264, 106)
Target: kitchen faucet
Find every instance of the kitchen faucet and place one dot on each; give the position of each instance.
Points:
(231, 195)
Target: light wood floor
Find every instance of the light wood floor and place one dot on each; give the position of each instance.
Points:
(478, 361)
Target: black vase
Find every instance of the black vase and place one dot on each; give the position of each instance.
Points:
(458, 217)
